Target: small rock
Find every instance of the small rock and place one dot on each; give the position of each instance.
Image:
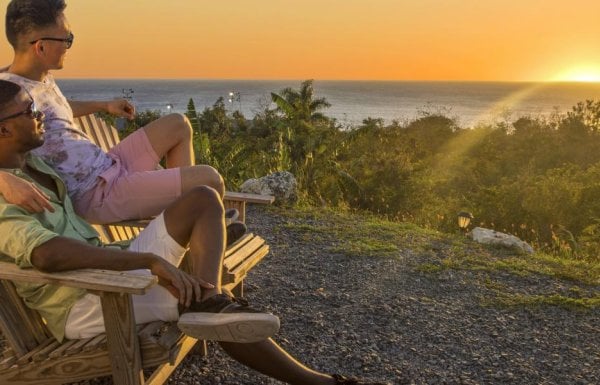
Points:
(492, 237)
(281, 184)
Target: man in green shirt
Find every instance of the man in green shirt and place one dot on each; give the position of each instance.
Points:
(59, 240)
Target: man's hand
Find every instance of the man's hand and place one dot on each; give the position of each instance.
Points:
(180, 284)
(121, 108)
(20, 192)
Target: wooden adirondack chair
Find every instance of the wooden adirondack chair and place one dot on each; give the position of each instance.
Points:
(244, 255)
(34, 357)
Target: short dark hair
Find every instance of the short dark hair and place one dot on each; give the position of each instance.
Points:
(8, 91)
(24, 16)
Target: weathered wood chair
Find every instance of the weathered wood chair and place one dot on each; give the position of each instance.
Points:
(33, 356)
(239, 259)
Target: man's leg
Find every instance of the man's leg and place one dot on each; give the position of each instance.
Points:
(171, 138)
(197, 219)
(202, 175)
(270, 359)
(143, 194)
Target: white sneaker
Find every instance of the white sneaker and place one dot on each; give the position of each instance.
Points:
(222, 318)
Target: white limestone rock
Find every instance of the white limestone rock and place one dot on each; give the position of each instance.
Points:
(492, 237)
(281, 184)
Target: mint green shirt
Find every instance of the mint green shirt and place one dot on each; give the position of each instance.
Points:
(21, 232)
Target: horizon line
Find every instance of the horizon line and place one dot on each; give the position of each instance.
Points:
(329, 80)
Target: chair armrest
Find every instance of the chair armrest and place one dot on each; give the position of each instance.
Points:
(250, 198)
(91, 279)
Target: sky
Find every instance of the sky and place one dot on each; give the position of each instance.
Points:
(456, 40)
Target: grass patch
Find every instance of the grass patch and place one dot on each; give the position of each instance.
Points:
(366, 247)
(525, 265)
(355, 234)
(362, 234)
(534, 301)
(303, 227)
(429, 268)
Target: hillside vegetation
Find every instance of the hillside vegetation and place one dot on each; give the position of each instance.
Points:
(535, 177)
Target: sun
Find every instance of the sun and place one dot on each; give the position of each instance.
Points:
(585, 77)
(588, 74)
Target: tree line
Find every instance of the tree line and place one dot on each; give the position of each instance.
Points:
(537, 177)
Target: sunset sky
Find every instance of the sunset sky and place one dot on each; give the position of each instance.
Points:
(506, 40)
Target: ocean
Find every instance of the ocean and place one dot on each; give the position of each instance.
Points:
(351, 101)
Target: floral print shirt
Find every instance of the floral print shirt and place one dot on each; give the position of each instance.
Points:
(77, 160)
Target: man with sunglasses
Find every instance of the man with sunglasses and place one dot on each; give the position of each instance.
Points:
(105, 187)
(61, 241)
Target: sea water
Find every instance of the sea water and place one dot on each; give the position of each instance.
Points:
(351, 102)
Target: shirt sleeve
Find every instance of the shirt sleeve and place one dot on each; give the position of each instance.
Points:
(21, 233)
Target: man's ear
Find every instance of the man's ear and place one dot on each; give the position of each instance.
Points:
(39, 47)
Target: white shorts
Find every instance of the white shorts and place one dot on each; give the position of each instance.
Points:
(85, 318)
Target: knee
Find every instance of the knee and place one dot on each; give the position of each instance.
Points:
(215, 180)
(204, 198)
(182, 126)
(202, 175)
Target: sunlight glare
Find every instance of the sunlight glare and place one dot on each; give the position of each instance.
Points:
(580, 74)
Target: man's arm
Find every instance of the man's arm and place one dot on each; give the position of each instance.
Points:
(62, 254)
(23, 193)
(118, 107)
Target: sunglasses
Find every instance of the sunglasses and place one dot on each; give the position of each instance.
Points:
(68, 40)
(31, 111)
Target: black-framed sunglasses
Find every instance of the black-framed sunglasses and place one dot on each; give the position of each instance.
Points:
(31, 111)
(68, 40)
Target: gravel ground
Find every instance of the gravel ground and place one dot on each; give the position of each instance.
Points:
(380, 318)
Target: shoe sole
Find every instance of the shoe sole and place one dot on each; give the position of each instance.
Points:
(229, 327)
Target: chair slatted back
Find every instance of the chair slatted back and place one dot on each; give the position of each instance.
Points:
(105, 136)
(23, 328)
(118, 233)
(100, 132)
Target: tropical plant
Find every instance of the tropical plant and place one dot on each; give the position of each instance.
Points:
(301, 105)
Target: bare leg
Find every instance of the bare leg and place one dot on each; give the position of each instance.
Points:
(171, 138)
(196, 218)
(270, 359)
(201, 176)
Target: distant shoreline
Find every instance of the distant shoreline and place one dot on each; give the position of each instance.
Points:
(351, 101)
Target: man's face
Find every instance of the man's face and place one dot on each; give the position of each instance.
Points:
(53, 51)
(23, 122)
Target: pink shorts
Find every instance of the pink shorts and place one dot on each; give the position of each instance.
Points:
(133, 187)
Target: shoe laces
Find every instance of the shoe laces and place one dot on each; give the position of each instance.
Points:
(242, 301)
